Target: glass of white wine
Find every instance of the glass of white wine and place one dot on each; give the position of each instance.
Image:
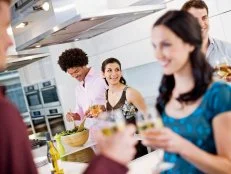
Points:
(148, 120)
(111, 122)
(152, 120)
(222, 67)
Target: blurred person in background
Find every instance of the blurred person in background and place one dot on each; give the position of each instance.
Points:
(113, 158)
(16, 157)
(211, 47)
(121, 96)
(195, 110)
(91, 87)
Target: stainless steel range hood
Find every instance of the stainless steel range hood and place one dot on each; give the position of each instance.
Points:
(15, 62)
(71, 20)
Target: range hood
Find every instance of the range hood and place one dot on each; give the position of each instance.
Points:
(15, 62)
(72, 20)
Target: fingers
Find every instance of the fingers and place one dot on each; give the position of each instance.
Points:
(69, 117)
(130, 129)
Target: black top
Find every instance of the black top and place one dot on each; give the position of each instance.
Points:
(129, 111)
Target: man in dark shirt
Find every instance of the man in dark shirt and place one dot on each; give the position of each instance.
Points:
(15, 155)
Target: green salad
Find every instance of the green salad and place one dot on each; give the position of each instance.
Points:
(69, 132)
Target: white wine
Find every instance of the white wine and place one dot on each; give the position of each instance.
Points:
(223, 70)
(144, 126)
(149, 125)
(108, 131)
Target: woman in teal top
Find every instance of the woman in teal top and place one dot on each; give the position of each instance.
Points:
(196, 111)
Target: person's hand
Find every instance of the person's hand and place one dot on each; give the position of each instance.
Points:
(166, 139)
(72, 116)
(94, 113)
(119, 147)
(228, 79)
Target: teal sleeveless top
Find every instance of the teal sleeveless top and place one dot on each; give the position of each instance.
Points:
(197, 127)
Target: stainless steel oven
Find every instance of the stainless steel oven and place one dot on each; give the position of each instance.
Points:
(53, 110)
(33, 97)
(49, 93)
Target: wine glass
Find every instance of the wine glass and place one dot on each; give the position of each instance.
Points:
(222, 67)
(148, 120)
(111, 121)
(152, 120)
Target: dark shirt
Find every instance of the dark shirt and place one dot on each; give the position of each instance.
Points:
(15, 155)
(129, 111)
(104, 165)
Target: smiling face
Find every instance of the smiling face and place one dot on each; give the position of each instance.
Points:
(5, 41)
(170, 50)
(202, 17)
(112, 73)
(79, 73)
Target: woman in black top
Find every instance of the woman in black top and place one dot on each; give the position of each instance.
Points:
(120, 96)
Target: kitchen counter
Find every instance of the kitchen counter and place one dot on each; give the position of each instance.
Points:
(70, 166)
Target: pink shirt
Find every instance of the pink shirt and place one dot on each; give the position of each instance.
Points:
(92, 93)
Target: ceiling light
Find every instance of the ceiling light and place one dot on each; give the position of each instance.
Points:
(45, 6)
(22, 25)
(38, 46)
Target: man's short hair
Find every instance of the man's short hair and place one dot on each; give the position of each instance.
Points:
(74, 57)
(195, 4)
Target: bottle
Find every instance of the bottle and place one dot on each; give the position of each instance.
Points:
(53, 156)
(59, 145)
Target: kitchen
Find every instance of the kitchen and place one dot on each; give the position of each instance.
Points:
(133, 37)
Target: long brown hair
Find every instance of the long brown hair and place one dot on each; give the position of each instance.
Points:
(186, 27)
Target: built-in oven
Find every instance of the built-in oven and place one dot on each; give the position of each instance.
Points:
(38, 119)
(33, 97)
(49, 93)
(56, 110)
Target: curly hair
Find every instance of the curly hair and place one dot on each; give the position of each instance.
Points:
(74, 57)
(195, 4)
(186, 27)
(112, 60)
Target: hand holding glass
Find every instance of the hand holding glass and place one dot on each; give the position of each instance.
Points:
(111, 122)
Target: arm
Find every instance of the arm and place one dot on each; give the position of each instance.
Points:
(208, 163)
(76, 115)
(113, 158)
(134, 97)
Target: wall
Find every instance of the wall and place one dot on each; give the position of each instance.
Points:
(131, 44)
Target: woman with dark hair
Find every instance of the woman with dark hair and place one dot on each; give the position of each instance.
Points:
(120, 96)
(195, 110)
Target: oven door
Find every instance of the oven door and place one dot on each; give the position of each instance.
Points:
(34, 100)
(50, 96)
